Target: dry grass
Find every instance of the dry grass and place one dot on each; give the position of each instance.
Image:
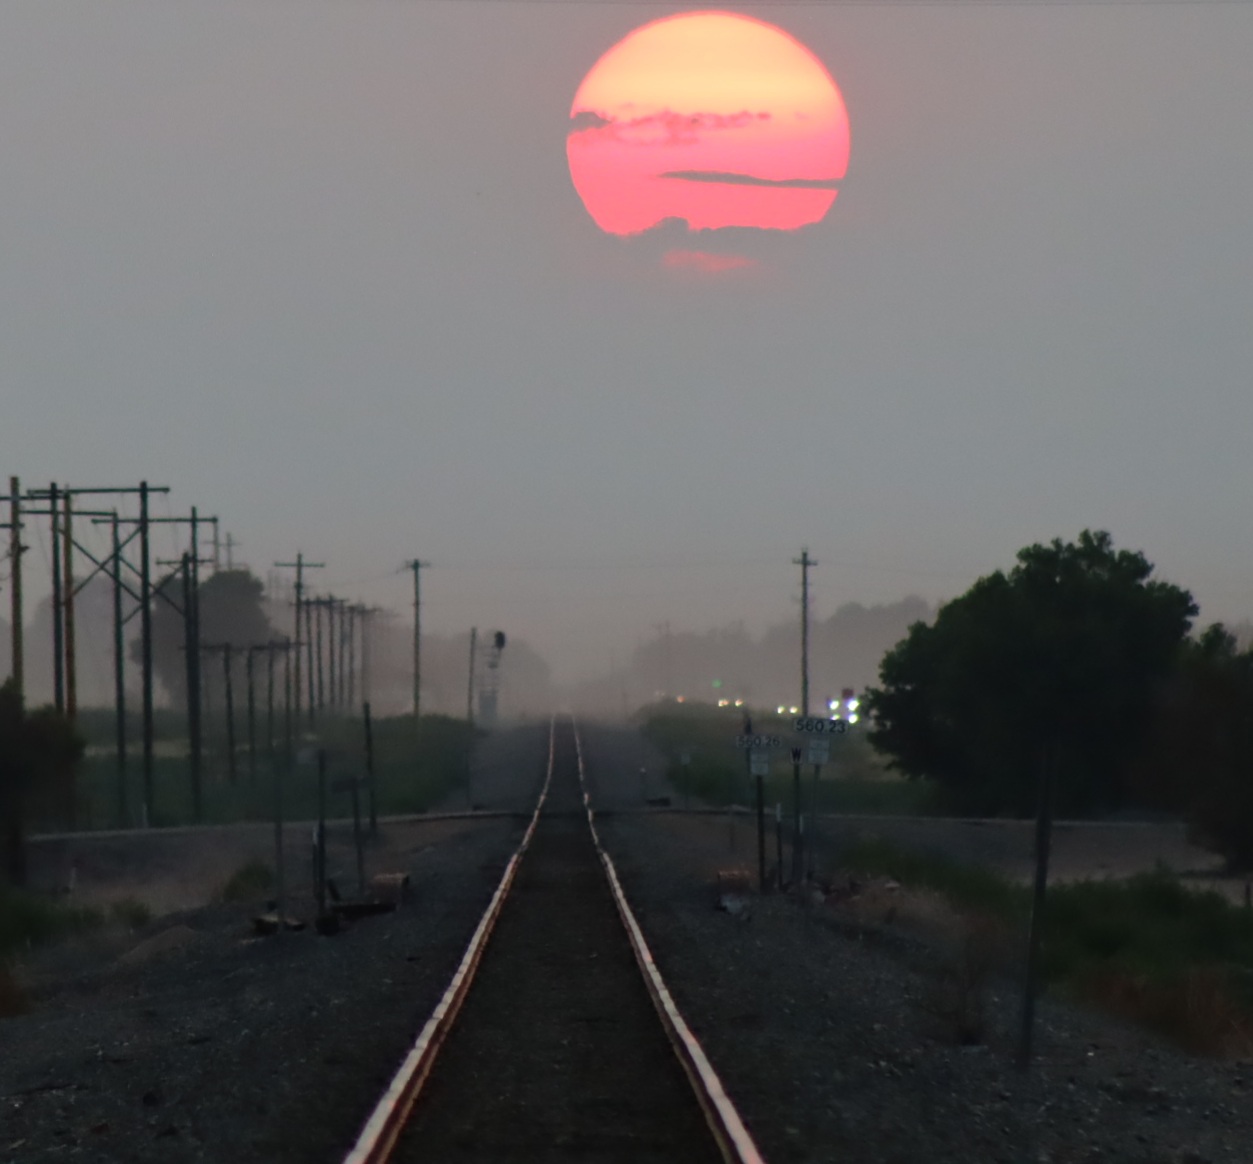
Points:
(1199, 1010)
(13, 999)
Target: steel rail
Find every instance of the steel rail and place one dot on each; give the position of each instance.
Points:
(734, 1140)
(382, 1130)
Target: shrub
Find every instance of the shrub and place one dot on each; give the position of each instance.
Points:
(130, 912)
(247, 883)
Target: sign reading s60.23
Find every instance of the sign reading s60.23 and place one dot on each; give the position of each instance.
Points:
(819, 726)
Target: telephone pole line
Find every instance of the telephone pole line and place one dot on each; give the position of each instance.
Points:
(300, 566)
(417, 567)
(805, 562)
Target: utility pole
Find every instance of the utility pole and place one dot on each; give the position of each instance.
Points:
(15, 585)
(416, 566)
(119, 673)
(345, 656)
(250, 678)
(353, 611)
(58, 610)
(319, 605)
(805, 562)
(328, 604)
(300, 566)
(227, 650)
(366, 614)
(145, 625)
(474, 641)
(67, 560)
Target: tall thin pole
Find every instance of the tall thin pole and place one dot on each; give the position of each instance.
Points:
(191, 663)
(119, 674)
(345, 659)
(250, 676)
(332, 671)
(145, 622)
(300, 588)
(313, 691)
(369, 768)
(320, 605)
(352, 657)
(365, 654)
(1043, 837)
(805, 562)
(67, 565)
(15, 586)
(58, 610)
(227, 651)
(195, 701)
(269, 700)
(474, 639)
(416, 566)
(300, 566)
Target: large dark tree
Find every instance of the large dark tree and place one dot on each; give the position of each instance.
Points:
(1063, 654)
(232, 610)
(39, 751)
(1199, 757)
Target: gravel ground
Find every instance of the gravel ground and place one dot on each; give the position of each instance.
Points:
(192, 1040)
(826, 1037)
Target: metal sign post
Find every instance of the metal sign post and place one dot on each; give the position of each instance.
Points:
(796, 816)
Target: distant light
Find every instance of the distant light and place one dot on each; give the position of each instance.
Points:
(836, 717)
(717, 683)
(780, 709)
(724, 702)
(854, 704)
(832, 704)
(794, 710)
(853, 717)
(679, 698)
(739, 703)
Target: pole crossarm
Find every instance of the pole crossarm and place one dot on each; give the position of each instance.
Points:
(74, 491)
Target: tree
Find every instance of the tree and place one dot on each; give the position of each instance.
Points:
(1066, 652)
(232, 610)
(1199, 757)
(39, 752)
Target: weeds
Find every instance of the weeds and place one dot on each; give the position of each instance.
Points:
(131, 913)
(249, 882)
(13, 999)
(1148, 948)
(29, 920)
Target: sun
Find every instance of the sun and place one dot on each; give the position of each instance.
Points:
(716, 119)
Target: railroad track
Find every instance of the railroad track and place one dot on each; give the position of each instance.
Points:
(567, 1044)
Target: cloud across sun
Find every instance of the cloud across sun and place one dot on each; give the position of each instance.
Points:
(713, 118)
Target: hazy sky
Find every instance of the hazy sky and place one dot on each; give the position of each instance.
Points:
(320, 268)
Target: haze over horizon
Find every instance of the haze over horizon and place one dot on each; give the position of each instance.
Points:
(320, 268)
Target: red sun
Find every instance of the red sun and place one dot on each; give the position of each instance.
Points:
(713, 118)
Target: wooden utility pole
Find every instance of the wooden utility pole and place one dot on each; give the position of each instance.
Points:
(417, 566)
(805, 562)
(228, 650)
(58, 609)
(474, 641)
(119, 673)
(300, 566)
(15, 586)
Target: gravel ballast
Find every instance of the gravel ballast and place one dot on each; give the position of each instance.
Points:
(827, 1039)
